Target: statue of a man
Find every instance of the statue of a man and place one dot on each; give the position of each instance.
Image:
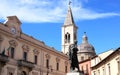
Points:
(73, 56)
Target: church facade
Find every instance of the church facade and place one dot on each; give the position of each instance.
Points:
(21, 54)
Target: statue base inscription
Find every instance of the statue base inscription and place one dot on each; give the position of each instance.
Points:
(74, 73)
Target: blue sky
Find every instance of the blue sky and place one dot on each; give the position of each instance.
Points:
(43, 19)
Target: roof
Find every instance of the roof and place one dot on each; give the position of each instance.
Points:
(69, 17)
(116, 52)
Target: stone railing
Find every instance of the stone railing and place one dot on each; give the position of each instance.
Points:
(3, 58)
(27, 64)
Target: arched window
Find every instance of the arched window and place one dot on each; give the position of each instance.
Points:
(67, 38)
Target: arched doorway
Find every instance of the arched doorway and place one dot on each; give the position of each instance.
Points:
(24, 73)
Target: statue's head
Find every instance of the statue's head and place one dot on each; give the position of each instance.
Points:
(75, 42)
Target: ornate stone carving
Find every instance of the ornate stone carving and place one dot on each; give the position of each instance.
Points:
(47, 56)
(57, 60)
(10, 69)
(25, 48)
(66, 63)
(13, 43)
(36, 52)
(27, 64)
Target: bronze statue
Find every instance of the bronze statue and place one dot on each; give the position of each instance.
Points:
(73, 56)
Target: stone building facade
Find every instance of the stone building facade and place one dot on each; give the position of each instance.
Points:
(107, 63)
(85, 66)
(21, 54)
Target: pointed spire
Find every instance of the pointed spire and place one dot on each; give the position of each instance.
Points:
(84, 38)
(69, 18)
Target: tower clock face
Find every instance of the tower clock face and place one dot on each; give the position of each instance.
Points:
(13, 30)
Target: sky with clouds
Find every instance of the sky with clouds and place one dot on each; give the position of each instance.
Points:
(51, 10)
(99, 18)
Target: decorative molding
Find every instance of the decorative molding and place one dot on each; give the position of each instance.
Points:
(57, 60)
(36, 52)
(13, 43)
(66, 63)
(34, 73)
(10, 69)
(47, 56)
(25, 48)
(118, 59)
(1, 38)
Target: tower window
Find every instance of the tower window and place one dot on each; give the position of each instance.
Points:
(67, 38)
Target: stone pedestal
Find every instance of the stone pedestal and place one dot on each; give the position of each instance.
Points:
(74, 73)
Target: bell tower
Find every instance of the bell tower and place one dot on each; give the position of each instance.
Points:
(69, 31)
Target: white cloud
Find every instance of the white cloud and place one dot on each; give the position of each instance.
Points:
(86, 14)
(47, 10)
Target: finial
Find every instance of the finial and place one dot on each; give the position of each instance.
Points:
(84, 35)
(84, 32)
(70, 2)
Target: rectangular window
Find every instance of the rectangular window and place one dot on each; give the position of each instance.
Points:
(47, 63)
(25, 56)
(35, 59)
(98, 72)
(103, 71)
(65, 69)
(118, 66)
(12, 52)
(109, 69)
(94, 73)
(57, 68)
(82, 58)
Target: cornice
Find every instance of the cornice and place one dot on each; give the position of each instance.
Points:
(26, 38)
